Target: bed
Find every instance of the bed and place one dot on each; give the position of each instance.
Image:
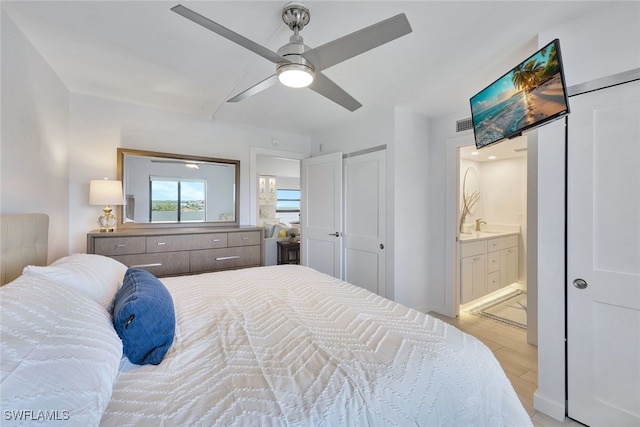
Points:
(276, 345)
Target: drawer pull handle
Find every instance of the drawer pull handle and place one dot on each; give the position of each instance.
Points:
(161, 243)
(121, 245)
(245, 238)
(216, 240)
(224, 258)
(153, 264)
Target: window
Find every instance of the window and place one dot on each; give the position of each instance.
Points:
(173, 199)
(288, 200)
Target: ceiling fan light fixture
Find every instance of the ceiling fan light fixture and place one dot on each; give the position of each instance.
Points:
(295, 75)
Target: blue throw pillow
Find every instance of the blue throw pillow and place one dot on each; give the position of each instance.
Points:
(144, 317)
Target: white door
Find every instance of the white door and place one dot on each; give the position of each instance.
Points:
(365, 221)
(321, 213)
(603, 257)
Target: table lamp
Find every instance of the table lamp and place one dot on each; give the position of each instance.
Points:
(105, 192)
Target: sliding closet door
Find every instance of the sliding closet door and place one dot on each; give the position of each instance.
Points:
(365, 220)
(603, 257)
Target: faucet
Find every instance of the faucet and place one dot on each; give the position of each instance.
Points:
(479, 222)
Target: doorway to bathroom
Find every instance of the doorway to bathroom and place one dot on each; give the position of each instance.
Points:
(492, 231)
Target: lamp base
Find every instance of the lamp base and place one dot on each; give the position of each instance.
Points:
(107, 221)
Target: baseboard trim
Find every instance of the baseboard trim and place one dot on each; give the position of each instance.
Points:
(548, 407)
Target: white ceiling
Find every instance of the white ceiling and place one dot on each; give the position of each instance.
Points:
(508, 149)
(141, 52)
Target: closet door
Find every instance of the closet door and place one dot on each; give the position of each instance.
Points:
(365, 219)
(603, 257)
(321, 213)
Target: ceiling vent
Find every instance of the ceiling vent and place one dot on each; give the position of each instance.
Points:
(464, 124)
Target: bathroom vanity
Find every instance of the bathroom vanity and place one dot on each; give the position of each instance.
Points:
(488, 262)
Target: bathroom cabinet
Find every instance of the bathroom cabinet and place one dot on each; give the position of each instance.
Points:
(509, 266)
(473, 277)
(486, 265)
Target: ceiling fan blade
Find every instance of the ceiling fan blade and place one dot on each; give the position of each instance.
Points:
(266, 83)
(228, 34)
(334, 52)
(327, 88)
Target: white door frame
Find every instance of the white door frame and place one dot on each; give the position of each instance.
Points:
(254, 152)
(452, 184)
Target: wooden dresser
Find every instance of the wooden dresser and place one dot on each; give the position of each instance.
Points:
(176, 251)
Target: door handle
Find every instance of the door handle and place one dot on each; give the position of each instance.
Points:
(336, 234)
(381, 246)
(580, 283)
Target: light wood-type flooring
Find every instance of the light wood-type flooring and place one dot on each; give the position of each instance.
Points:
(518, 359)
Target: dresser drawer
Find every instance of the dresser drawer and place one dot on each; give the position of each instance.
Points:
(160, 264)
(502, 243)
(473, 248)
(188, 242)
(493, 261)
(221, 259)
(120, 245)
(509, 242)
(244, 238)
(176, 251)
(211, 241)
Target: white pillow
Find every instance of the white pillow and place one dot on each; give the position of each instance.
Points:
(268, 230)
(60, 354)
(97, 276)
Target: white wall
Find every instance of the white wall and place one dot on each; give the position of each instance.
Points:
(503, 194)
(70, 139)
(504, 186)
(366, 131)
(409, 154)
(99, 126)
(405, 134)
(594, 46)
(442, 168)
(35, 134)
(531, 260)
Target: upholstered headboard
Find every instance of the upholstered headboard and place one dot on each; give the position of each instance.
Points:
(24, 240)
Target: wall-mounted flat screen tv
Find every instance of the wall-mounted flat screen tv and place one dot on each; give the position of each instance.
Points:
(529, 95)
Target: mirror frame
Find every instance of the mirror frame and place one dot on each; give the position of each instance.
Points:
(122, 152)
(470, 173)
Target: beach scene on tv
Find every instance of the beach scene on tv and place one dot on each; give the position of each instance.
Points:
(528, 94)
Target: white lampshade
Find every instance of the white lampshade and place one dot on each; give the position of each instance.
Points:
(105, 192)
(295, 75)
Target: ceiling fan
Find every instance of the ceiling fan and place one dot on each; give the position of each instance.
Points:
(298, 65)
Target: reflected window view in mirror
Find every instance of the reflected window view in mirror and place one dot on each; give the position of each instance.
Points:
(162, 188)
(177, 199)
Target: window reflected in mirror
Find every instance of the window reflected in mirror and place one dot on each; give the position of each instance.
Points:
(162, 188)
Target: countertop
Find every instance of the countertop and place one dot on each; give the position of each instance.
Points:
(483, 235)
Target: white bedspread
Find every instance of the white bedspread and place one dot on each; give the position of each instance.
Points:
(286, 345)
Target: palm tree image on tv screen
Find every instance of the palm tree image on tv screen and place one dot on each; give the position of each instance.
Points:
(531, 93)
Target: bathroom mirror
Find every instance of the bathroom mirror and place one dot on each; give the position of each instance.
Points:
(164, 190)
(470, 196)
(470, 189)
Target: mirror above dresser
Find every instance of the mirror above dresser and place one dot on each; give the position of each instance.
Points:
(167, 190)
